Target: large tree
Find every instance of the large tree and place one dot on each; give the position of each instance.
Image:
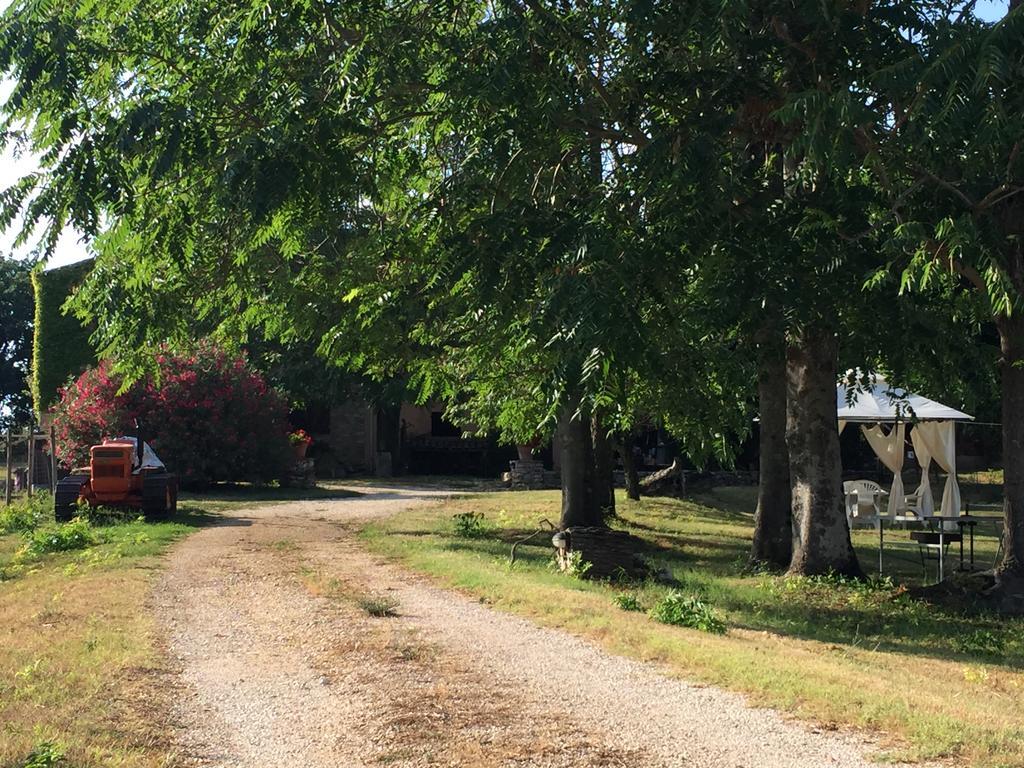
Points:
(16, 307)
(956, 154)
(435, 190)
(800, 238)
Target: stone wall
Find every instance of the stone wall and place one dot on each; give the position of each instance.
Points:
(530, 475)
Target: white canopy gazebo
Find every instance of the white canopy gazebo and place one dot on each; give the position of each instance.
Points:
(932, 433)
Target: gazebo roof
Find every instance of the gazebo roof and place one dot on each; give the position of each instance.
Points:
(881, 403)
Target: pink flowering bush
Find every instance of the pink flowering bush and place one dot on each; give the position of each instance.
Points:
(206, 414)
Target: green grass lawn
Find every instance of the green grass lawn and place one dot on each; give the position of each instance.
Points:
(227, 497)
(934, 682)
(80, 665)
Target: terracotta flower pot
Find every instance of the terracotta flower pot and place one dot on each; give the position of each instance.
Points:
(300, 450)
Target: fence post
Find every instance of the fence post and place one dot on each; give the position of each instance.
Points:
(53, 460)
(10, 459)
(30, 441)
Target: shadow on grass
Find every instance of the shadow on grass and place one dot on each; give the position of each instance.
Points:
(231, 492)
(902, 626)
(196, 517)
(463, 483)
(694, 510)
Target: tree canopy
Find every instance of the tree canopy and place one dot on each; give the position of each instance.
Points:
(546, 213)
(16, 308)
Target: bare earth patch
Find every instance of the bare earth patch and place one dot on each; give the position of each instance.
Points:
(281, 664)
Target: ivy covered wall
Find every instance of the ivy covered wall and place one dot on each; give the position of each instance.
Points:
(61, 347)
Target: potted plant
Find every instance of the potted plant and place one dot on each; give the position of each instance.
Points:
(300, 441)
(526, 449)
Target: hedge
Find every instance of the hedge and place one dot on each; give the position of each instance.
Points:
(61, 349)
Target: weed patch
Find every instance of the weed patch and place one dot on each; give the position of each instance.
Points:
(101, 516)
(469, 525)
(25, 514)
(981, 642)
(380, 606)
(45, 755)
(627, 601)
(575, 565)
(684, 610)
(58, 538)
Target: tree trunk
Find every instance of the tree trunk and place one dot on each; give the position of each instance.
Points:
(1010, 571)
(584, 488)
(821, 536)
(773, 529)
(629, 467)
(574, 438)
(604, 480)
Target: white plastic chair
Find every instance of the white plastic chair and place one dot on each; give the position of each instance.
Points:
(862, 502)
(913, 504)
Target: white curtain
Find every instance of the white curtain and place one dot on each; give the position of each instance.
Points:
(890, 449)
(842, 425)
(940, 437)
(925, 502)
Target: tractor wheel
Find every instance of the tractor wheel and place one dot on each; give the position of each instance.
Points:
(157, 496)
(65, 500)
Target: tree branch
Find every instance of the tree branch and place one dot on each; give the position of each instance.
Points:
(948, 186)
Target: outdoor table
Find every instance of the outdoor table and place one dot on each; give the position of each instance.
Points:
(939, 536)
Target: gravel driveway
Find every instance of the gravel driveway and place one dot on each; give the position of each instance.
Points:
(280, 667)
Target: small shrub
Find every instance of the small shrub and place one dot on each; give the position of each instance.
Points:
(380, 606)
(469, 525)
(687, 611)
(25, 514)
(627, 601)
(58, 538)
(45, 755)
(576, 566)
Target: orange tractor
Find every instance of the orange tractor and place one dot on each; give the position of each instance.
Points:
(121, 473)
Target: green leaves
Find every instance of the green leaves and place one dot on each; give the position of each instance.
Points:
(16, 307)
(508, 205)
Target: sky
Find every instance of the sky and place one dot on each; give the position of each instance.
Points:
(71, 248)
(12, 168)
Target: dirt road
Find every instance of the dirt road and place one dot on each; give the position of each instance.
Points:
(280, 667)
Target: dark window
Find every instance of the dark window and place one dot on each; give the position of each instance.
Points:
(441, 427)
(315, 418)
